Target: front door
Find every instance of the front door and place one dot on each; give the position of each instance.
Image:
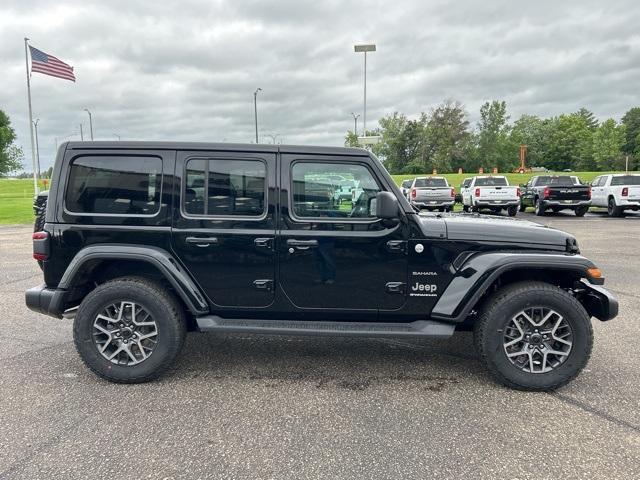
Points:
(224, 227)
(335, 255)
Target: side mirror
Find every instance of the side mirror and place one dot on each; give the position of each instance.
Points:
(387, 205)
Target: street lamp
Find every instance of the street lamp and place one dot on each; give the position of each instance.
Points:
(255, 109)
(364, 48)
(35, 124)
(355, 123)
(90, 122)
(115, 134)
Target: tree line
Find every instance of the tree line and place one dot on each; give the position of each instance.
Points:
(443, 140)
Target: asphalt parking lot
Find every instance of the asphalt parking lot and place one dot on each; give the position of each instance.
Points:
(297, 407)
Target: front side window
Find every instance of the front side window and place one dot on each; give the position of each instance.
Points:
(333, 190)
(221, 187)
(114, 185)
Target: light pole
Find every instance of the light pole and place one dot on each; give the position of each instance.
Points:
(273, 137)
(364, 48)
(355, 123)
(115, 134)
(255, 109)
(35, 125)
(90, 122)
(81, 134)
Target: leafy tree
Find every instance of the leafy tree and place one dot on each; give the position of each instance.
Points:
(402, 143)
(495, 148)
(631, 121)
(351, 139)
(608, 141)
(448, 139)
(531, 131)
(570, 144)
(11, 155)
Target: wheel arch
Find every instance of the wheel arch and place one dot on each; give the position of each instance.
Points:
(483, 274)
(99, 263)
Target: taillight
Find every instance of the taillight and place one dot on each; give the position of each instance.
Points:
(40, 245)
(547, 192)
(589, 192)
(413, 193)
(518, 191)
(453, 192)
(477, 192)
(625, 192)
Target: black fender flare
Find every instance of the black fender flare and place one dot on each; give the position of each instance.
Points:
(479, 271)
(172, 271)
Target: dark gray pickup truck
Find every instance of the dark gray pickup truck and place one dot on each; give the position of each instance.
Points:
(555, 193)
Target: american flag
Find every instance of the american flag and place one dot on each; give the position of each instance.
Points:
(49, 65)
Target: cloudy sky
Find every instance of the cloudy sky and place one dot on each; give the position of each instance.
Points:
(187, 70)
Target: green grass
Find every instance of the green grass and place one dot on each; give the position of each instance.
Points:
(16, 200)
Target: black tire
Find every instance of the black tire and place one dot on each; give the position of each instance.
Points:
(164, 309)
(512, 211)
(612, 209)
(580, 211)
(465, 208)
(555, 209)
(496, 314)
(539, 209)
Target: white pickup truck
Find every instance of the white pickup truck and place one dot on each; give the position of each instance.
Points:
(616, 192)
(492, 193)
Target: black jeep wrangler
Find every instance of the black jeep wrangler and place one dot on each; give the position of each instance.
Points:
(144, 241)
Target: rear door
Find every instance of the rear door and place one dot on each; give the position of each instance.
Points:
(339, 261)
(224, 226)
(598, 191)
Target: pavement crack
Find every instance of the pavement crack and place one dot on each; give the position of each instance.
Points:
(594, 411)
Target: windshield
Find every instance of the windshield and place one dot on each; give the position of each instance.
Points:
(626, 180)
(430, 182)
(561, 181)
(491, 182)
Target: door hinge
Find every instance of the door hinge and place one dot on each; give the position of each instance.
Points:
(263, 284)
(395, 287)
(397, 246)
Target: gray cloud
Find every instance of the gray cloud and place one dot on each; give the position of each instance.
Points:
(187, 70)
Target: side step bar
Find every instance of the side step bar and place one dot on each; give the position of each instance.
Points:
(419, 328)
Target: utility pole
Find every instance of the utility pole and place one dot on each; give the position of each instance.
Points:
(355, 123)
(90, 123)
(364, 48)
(255, 109)
(35, 124)
(81, 134)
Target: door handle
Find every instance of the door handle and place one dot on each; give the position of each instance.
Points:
(263, 242)
(397, 246)
(302, 244)
(202, 241)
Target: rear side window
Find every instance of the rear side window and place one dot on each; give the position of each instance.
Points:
(430, 182)
(491, 182)
(625, 180)
(221, 187)
(114, 185)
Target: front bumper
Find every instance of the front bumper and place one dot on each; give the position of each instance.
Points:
(561, 204)
(49, 301)
(599, 302)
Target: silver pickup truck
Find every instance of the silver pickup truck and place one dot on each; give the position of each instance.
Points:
(432, 193)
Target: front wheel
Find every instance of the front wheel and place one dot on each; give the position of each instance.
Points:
(512, 211)
(129, 330)
(533, 336)
(465, 208)
(539, 208)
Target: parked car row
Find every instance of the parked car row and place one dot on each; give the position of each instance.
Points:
(615, 192)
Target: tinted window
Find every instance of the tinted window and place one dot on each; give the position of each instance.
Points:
(561, 181)
(115, 185)
(430, 182)
(596, 182)
(217, 187)
(466, 183)
(407, 183)
(491, 182)
(626, 180)
(315, 193)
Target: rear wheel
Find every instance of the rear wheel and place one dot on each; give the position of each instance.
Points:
(612, 209)
(534, 336)
(465, 208)
(539, 209)
(580, 211)
(512, 211)
(129, 330)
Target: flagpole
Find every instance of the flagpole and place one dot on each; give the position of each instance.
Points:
(33, 151)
